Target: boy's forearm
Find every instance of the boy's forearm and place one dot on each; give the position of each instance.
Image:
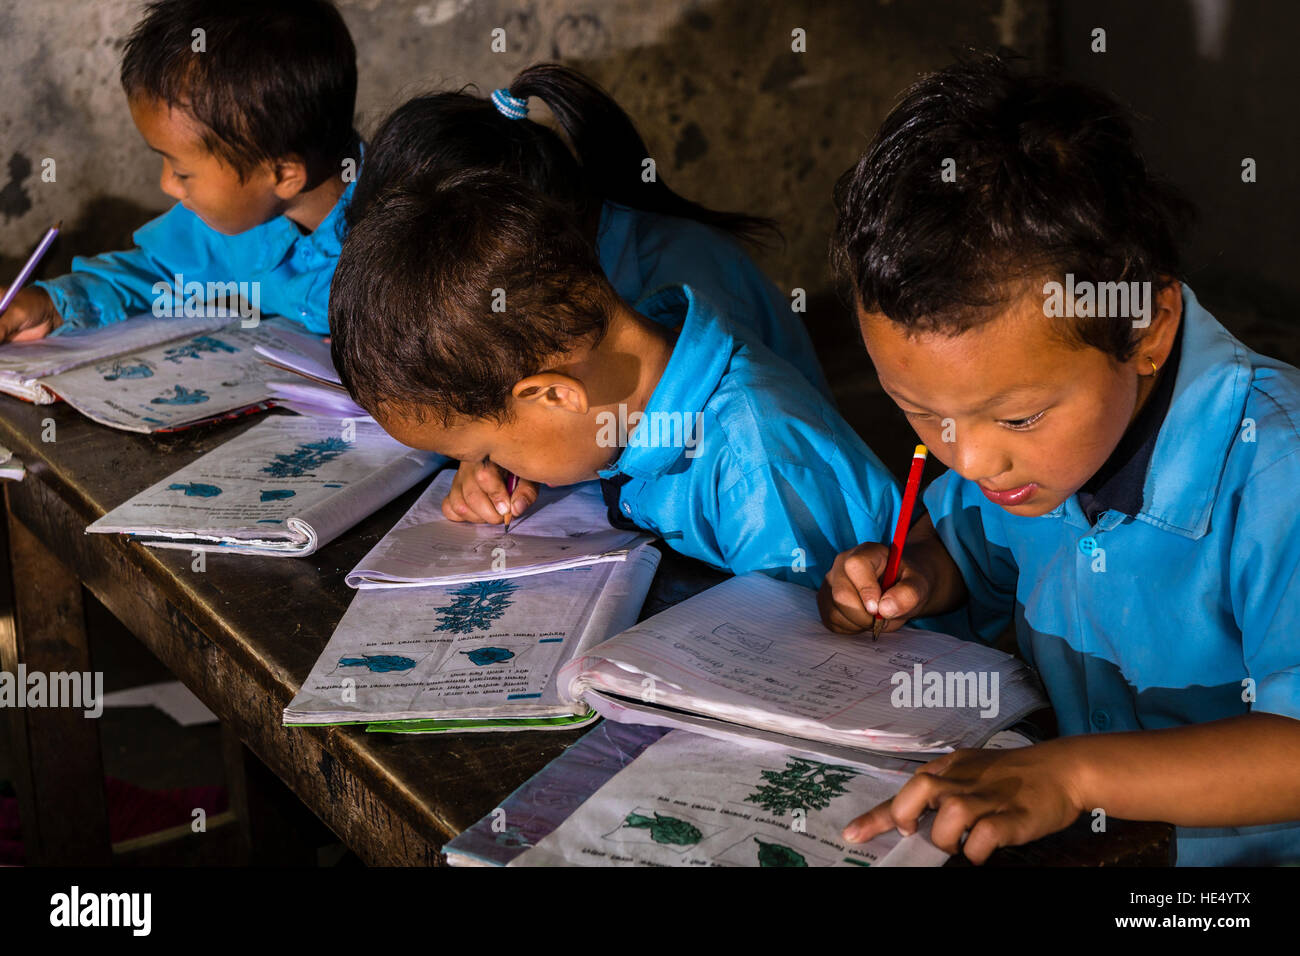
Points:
(1239, 771)
(926, 552)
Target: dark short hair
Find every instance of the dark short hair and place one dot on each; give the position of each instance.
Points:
(1049, 180)
(274, 79)
(411, 304)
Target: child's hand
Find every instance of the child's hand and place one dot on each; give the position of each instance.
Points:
(850, 595)
(1003, 797)
(31, 315)
(479, 494)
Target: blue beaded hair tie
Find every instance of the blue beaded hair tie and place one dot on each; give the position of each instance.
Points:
(511, 107)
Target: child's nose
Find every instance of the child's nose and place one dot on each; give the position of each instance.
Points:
(979, 461)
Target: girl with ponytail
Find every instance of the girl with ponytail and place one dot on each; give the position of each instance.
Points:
(646, 235)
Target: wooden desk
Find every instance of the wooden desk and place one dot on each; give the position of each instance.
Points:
(242, 635)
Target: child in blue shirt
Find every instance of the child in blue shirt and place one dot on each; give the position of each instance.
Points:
(471, 316)
(250, 106)
(1122, 483)
(646, 235)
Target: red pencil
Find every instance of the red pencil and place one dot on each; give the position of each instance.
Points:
(900, 531)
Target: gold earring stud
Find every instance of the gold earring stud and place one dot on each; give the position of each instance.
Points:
(1154, 368)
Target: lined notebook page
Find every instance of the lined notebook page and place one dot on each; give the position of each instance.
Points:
(753, 651)
(565, 528)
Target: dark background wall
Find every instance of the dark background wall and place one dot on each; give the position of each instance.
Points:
(1213, 82)
(733, 117)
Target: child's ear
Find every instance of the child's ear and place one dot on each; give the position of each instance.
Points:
(1157, 339)
(290, 176)
(553, 390)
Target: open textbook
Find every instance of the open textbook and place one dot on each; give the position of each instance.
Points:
(24, 365)
(750, 658)
(180, 382)
(690, 800)
(286, 486)
(479, 656)
(315, 388)
(565, 528)
(543, 802)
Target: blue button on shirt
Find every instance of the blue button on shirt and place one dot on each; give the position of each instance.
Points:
(1173, 615)
(778, 482)
(641, 252)
(293, 271)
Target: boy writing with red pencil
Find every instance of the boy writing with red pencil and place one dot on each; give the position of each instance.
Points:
(1122, 480)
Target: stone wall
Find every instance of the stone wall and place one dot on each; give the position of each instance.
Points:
(733, 117)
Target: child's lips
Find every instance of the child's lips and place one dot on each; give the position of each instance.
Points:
(1010, 496)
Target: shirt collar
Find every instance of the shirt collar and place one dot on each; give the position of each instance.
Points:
(275, 239)
(1118, 485)
(700, 357)
(1205, 414)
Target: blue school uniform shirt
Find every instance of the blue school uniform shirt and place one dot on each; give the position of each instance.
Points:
(1170, 615)
(641, 252)
(293, 270)
(777, 482)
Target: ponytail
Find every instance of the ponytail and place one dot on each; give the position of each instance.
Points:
(611, 152)
(438, 135)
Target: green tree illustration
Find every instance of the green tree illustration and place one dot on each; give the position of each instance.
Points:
(774, 854)
(665, 829)
(803, 784)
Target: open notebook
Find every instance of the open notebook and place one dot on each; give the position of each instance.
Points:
(24, 365)
(637, 796)
(286, 486)
(152, 375)
(471, 657)
(750, 658)
(565, 528)
(581, 780)
(181, 383)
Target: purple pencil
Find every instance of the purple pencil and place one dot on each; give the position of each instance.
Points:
(28, 269)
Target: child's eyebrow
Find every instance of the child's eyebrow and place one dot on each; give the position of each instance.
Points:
(999, 396)
(161, 153)
(1010, 391)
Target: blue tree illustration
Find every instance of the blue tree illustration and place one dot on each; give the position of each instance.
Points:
(195, 348)
(306, 457)
(476, 606)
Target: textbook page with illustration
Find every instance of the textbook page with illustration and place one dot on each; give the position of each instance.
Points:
(286, 486)
(690, 800)
(24, 364)
(479, 656)
(546, 799)
(750, 657)
(565, 528)
(217, 374)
